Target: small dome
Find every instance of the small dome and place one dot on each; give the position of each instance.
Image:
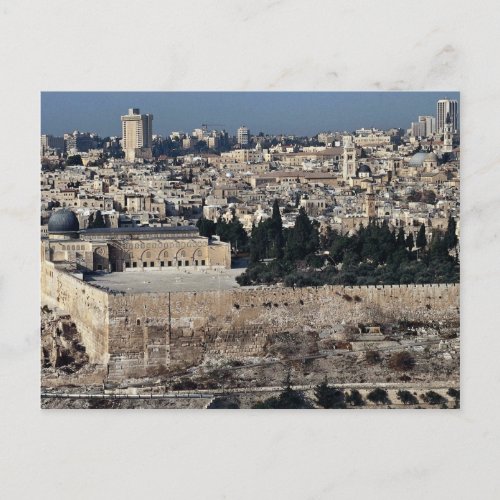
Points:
(62, 221)
(417, 159)
(364, 169)
(431, 157)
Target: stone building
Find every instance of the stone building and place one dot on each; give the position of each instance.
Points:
(125, 249)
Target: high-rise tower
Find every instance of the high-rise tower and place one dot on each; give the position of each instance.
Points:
(445, 107)
(137, 134)
(243, 136)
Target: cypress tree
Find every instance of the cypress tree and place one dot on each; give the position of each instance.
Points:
(421, 238)
(450, 236)
(277, 231)
(90, 224)
(99, 220)
(409, 242)
(401, 238)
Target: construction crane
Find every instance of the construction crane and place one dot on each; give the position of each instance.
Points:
(204, 126)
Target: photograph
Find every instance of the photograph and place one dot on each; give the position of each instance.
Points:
(250, 250)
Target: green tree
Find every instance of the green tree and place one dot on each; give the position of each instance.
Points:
(434, 398)
(450, 236)
(303, 239)
(329, 397)
(232, 232)
(98, 220)
(74, 160)
(206, 227)
(258, 243)
(401, 240)
(379, 396)
(276, 227)
(409, 242)
(455, 394)
(354, 398)
(224, 403)
(288, 399)
(421, 238)
(90, 223)
(407, 398)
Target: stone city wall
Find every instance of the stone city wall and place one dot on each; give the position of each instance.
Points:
(87, 305)
(151, 329)
(136, 331)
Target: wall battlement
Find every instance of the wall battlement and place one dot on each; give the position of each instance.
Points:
(135, 331)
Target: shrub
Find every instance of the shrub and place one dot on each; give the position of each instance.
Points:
(402, 361)
(379, 396)
(354, 398)
(185, 385)
(407, 398)
(329, 397)
(373, 357)
(433, 398)
(288, 399)
(224, 403)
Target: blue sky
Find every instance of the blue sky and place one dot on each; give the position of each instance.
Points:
(299, 113)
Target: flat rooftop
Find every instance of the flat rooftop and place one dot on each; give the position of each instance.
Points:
(166, 281)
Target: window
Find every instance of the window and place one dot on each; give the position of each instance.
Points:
(127, 264)
(151, 264)
(144, 264)
(134, 264)
(99, 267)
(162, 264)
(169, 263)
(138, 322)
(179, 263)
(202, 262)
(186, 262)
(195, 262)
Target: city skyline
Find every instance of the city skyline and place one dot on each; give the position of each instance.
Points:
(289, 113)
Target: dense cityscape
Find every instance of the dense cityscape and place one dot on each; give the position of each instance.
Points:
(203, 267)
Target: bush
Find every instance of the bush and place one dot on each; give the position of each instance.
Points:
(433, 398)
(354, 398)
(329, 397)
(402, 361)
(373, 357)
(224, 403)
(185, 385)
(379, 396)
(407, 398)
(288, 399)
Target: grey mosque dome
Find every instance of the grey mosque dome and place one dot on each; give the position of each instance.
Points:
(63, 220)
(364, 169)
(417, 159)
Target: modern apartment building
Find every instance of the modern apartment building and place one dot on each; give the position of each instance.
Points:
(444, 107)
(243, 136)
(137, 134)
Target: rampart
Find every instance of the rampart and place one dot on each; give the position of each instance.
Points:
(137, 331)
(87, 305)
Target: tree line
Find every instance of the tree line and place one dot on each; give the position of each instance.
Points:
(375, 254)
